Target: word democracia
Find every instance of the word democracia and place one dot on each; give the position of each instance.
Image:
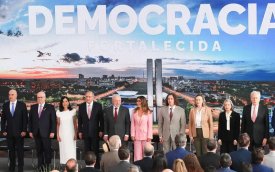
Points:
(177, 16)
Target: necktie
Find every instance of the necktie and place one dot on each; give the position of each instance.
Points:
(40, 110)
(254, 115)
(89, 111)
(115, 117)
(12, 109)
(171, 114)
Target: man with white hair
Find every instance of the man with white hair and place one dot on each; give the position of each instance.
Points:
(117, 120)
(111, 159)
(255, 121)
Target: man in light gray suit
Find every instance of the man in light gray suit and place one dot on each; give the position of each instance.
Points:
(117, 120)
(171, 121)
(111, 159)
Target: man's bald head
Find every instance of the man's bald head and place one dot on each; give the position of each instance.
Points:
(12, 95)
(148, 149)
(71, 165)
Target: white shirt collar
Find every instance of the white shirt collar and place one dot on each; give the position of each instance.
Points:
(13, 102)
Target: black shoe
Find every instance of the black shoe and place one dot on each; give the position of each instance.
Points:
(11, 169)
(20, 169)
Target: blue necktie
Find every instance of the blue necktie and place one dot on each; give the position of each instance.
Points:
(12, 109)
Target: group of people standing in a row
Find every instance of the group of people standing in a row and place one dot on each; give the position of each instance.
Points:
(93, 123)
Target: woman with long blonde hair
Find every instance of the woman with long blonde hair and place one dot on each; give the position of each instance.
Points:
(179, 166)
(141, 127)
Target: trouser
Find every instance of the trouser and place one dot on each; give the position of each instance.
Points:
(92, 144)
(138, 149)
(168, 145)
(227, 146)
(200, 143)
(16, 144)
(43, 150)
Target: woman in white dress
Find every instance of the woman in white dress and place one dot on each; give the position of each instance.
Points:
(66, 130)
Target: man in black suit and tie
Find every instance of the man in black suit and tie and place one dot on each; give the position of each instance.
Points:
(255, 121)
(146, 164)
(117, 120)
(14, 126)
(42, 127)
(90, 123)
(211, 158)
(90, 160)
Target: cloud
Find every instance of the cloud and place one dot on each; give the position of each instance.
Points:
(171, 58)
(90, 60)
(102, 59)
(71, 57)
(5, 58)
(213, 62)
(9, 9)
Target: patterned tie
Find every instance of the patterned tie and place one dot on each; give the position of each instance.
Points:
(254, 115)
(171, 114)
(40, 110)
(115, 117)
(89, 111)
(12, 109)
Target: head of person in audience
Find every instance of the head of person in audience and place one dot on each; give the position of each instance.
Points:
(180, 140)
(114, 142)
(90, 158)
(225, 160)
(228, 105)
(158, 153)
(211, 145)
(167, 170)
(133, 168)
(210, 168)
(64, 104)
(271, 143)
(257, 156)
(200, 101)
(244, 140)
(12, 95)
(89, 97)
(255, 97)
(41, 97)
(116, 100)
(171, 100)
(247, 167)
(148, 149)
(54, 171)
(124, 153)
(192, 163)
(159, 163)
(71, 165)
(179, 166)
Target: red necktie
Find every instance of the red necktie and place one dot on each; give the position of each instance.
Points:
(115, 114)
(254, 115)
(171, 114)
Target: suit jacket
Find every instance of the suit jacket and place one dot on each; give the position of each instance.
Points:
(210, 159)
(167, 128)
(90, 127)
(269, 160)
(108, 160)
(238, 157)
(225, 170)
(119, 127)
(207, 123)
(261, 168)
(234, 132)
(17, 123)
(258, 130)
(44, 125)
(122, 166)
(89, 169)
(175, 154)
(141, 127)
(146, 164)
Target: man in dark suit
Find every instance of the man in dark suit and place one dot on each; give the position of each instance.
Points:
(117, 120)
(255, 121)
(42, 127)
(14, 126)
(124, 164)
(90, 160)
(90, 124)
(146, 164)
(179, 152)
(210, 158)
(257, 159)
(242, 155)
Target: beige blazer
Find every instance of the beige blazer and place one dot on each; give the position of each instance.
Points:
(176, 126)
(207, 123)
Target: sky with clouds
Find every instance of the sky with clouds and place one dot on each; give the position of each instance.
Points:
(242, 57)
